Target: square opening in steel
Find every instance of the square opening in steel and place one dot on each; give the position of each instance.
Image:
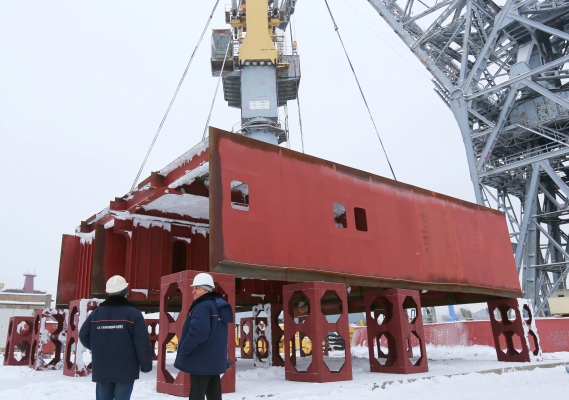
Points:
(340, 219)
(239, 195)
(361, 220)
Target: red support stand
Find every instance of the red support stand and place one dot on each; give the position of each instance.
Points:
(310, 300)
(246, 338)
(276, 334)
(261, 337)
(390, 324)
(152, 326)
(264, 335)
(176, 292)
(18, 341)
(79, 310)
(515, 333)
(43, 336)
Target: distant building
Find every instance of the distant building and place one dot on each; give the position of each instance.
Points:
(481, 315)
(20, 302)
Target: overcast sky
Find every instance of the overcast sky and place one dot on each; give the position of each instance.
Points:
(84, 86)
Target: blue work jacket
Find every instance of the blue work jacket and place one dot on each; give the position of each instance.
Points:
(203, 346)
(116, 334)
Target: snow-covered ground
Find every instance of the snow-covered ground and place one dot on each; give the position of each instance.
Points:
(463, 364)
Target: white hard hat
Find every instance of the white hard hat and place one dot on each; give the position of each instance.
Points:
(203, 279)
(116, 284)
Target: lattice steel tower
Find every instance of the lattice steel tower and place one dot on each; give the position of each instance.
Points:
(501, 70)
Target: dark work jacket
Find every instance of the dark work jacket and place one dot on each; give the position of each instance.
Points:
(116, 334)
(203, 347)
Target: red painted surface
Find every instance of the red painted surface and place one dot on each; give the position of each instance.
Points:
(49, 325)
(29, 283)
(261, 345)
(465, 333)
(141, 254)
(316, 327)
(49, 347)
(73, 347)
(553, 333)
(175, 291)
(141, 245)
(277, 334)
(518, 333)
(246, 337)
(388, 325)
(67, 261)
(83, 271)
(415, 237)
(20, 331)
(153, 327)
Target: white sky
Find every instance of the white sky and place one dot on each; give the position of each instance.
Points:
(84, 86)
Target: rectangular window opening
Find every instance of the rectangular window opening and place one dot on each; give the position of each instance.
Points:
(239, 196)
(361, 220)
(340, 219)
(179, 256)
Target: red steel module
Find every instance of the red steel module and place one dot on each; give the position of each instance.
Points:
(309, 219)
(269, 215)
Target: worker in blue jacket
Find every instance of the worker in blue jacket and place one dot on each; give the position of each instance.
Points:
(117, 336)
(202, 351)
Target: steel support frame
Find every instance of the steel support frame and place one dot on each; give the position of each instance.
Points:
(262, 339)
(515, 332)
(73, 364)
(316, 327)
(266, 339)
(388, 326)
(176, 292)
(42, 337)
(19, 336)
(153, 326)
(246, 344)
(487, 62)
(276, 334)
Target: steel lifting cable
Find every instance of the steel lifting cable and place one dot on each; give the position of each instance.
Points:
(216, 89)
(174, 96)
(297, 95)
(360, 87)
(359, 15)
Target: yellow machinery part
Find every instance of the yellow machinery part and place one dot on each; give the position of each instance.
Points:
(306, 342)
(257, 45)
(172, 346)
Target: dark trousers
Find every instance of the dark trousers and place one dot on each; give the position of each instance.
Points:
(114, 390)
(205, 385)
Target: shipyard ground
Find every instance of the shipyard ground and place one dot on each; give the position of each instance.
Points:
(454, 372)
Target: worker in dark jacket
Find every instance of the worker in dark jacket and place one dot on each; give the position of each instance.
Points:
(202, 351)
(116, 334)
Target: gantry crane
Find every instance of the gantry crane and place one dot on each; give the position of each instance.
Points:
(501, 71)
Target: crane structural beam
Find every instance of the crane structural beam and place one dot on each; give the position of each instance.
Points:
(503, 70)
(260, 71)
